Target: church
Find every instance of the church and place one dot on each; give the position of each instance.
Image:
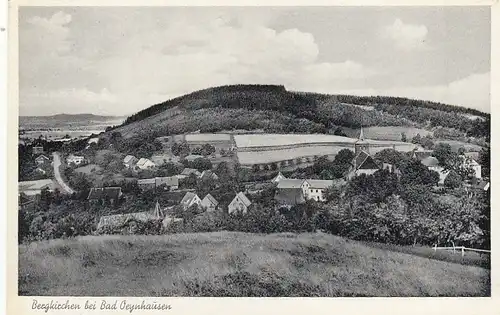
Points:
(363, 162)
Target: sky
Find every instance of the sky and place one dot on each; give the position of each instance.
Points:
(119, 60)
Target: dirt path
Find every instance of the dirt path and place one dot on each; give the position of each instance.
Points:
(57, 174)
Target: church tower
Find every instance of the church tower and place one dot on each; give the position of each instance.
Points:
(361, 144)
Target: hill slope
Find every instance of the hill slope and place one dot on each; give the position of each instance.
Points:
(274, 109)
(236, 264)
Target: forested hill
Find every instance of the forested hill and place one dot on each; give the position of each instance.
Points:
(273, 108)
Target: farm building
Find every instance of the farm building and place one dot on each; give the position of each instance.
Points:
(128, 222)
(317, 188)
(35, 187)
(468, 163)
(208, 175)
(111, 194)
(289, 197)
(209, 203)
(278, 178)
(240, 203)
(363, 163)
(37, 150)
(129, 161)
(187, 172)
(170, 183)
(144, 164)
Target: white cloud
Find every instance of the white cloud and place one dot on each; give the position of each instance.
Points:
(472, 91)
(407, 37)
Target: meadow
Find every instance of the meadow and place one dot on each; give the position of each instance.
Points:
(237, 264)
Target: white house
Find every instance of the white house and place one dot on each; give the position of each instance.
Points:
(76, 159)
(190, 199)
(145, 164)
(129, 161)
(239, 203)
(41, 159)
(209, 203)
(317, 189)
(469, 163)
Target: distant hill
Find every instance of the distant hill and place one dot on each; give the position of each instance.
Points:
(274, 109)
(71, 117)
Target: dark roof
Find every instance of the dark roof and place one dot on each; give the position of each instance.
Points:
(290, 196)
(105, 193)
(364, 161)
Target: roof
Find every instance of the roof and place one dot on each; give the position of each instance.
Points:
(290, 183)
(422, 154)
(430, 161)
(208, 174)
(42, 157)
(278, 178)
(146, 181)
(104, 193)
(143, 162)
(290, 196)
(189, 171)
(129, 158)
(243, 199)
(93, 140)
(188, 197)
(320, 183)
(209, 200)
(193, 157)
(169, 181)
(36, 184)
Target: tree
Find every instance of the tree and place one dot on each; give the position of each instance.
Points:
(417, 139)
(484, 160)
(344, 156)
(403, 137)
(339, 132)
(415, 173)
(453, 180)
(444, 154)
(180, 149)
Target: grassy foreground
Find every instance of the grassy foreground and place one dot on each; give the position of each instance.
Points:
(237, 264)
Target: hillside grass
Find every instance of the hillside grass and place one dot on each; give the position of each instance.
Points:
(236, 264)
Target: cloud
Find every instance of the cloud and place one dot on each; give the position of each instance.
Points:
(406, 37)
(472, 91)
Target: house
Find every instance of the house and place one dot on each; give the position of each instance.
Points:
(432, 163)
(25, 202)
(41, 159)
(240, 203)
(469, 163)
(127, 222)
(301, 184)
(289, 197)
(145, 164)
(35, 187)
(317, 189)
(209, 203)
(75, 159)
(37, 150)
(91, 141)
(129, 161)
(190, 199)
(40, 171)
(421, 154)
(193, 157)
(187, 172)
(363, 163)
(111, 194)
(209, 175)
(171, 183)
(160, 159)
(278, 177)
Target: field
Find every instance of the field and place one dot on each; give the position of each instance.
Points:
(392, 133)
(469, 147)
(88, 169)
(237, 264)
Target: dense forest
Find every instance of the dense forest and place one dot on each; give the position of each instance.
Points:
(321, 111)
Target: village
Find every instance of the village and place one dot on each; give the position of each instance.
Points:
(190, 164)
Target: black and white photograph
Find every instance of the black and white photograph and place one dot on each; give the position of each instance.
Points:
(253, 151)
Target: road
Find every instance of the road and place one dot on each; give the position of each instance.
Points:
(57, 174)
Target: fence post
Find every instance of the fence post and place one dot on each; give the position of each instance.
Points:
(453, 247)
(435, 247)
(463, 251)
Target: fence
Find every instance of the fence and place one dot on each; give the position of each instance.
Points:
(462, 249)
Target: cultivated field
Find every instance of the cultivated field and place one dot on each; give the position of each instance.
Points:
(237, 264)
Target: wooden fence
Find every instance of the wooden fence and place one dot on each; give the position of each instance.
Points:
(462, 249)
